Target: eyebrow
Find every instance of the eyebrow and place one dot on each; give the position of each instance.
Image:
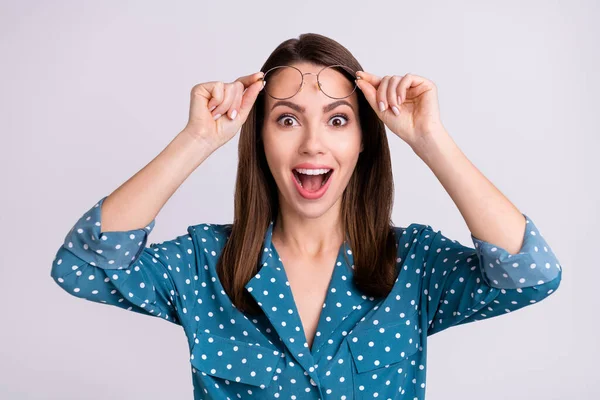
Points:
(301, 109)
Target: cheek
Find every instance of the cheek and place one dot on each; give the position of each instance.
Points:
(347, 153)
(348, 147)
(276, 156)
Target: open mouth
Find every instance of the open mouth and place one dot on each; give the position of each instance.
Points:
(312, 183)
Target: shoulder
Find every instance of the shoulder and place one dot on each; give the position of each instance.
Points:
(210, 233)
(415, 235)
(413, 230)
(210, 229)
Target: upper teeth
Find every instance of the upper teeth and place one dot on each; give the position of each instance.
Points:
(312, 171)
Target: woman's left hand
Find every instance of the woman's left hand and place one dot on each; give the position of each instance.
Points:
(414, 97)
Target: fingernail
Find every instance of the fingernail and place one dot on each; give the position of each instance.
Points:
(212, 108)
(216, 117)
(395, 110)
(233, 114)
(381, 106)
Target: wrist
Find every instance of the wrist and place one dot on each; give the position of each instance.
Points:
(198, 139)
(431, 142)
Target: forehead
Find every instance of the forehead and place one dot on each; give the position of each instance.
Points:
(307, 69)
(310, 93)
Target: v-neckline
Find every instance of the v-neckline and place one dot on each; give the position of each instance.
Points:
(275, 298)
(295, 303)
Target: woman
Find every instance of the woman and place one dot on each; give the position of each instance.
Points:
(349, 314)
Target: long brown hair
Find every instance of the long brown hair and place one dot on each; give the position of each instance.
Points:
(366, 202)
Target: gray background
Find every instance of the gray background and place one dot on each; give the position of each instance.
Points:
(91, 92)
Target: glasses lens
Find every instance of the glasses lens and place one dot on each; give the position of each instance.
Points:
(282, 82)
(335, 83)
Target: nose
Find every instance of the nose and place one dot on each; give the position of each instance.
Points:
(312, 141)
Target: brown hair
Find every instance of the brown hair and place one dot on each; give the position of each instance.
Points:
(366, 202)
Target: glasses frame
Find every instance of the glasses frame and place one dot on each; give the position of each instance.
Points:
(309, 73)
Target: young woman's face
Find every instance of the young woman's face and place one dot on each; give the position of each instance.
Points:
(315, 129)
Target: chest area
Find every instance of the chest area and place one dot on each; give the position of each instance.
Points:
(309, 281)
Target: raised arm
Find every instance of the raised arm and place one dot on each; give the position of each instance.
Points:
(461, 284)
(104, 257)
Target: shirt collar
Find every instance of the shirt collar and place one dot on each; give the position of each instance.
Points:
(272, 292)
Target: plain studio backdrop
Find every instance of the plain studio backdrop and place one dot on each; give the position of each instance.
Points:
(92, 91)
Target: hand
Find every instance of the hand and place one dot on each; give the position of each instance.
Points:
(414, 97)
(218, 110)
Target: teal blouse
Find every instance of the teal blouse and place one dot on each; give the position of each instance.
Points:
(364, 347)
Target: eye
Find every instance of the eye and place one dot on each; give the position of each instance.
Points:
(337, 117)
(289, 117)
(286, 117)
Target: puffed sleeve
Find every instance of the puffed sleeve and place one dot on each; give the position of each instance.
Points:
(117, 268)
(465, 284)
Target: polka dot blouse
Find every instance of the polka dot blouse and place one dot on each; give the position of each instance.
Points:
(364, 347)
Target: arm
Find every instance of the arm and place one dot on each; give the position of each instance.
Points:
(104, 257)
(490, 216)
(139, 200)
(511, 265)
(461, 284)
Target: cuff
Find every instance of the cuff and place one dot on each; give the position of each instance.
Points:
(534, 264)
(108, 250)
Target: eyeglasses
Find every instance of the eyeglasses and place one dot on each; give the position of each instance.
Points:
(283, 82)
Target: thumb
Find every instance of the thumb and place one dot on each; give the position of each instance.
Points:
(249, 97)
(370, 93)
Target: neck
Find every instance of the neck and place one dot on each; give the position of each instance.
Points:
(309, 237)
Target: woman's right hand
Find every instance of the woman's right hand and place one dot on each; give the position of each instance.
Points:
(218, 110)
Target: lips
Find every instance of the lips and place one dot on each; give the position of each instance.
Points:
(325, 176)
(312, 195)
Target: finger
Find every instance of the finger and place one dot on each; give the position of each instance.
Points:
(249, 98)
(217, 88)
(374, 80)
(382, 102)
(370, 93)
(250, 79)
(237, 100)
(217, 93)
(228, 96)
(408, 81)
(392, 94)
(243, 83)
